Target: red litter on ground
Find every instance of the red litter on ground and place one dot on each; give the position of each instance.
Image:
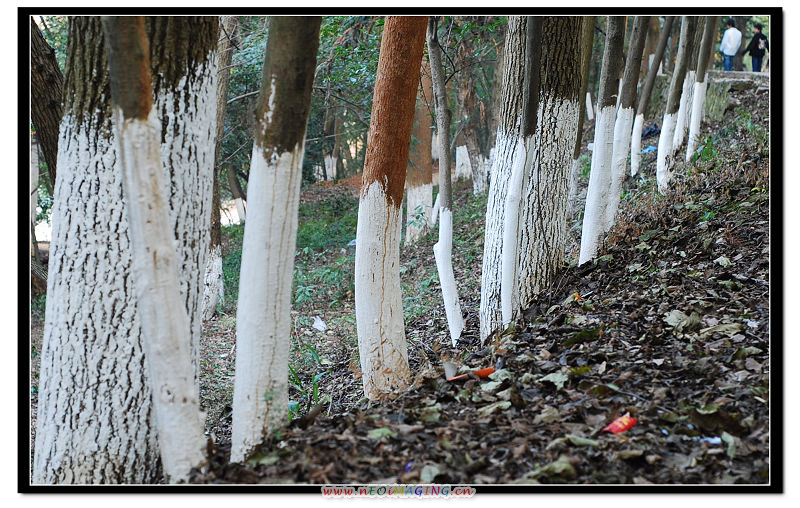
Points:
(621, 424)
(450, 370)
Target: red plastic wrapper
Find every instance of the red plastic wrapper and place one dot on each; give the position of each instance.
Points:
(482, 373)
(621, 424)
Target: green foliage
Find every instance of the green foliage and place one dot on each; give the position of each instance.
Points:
(38, 305)
(55, 30)
(327, 224)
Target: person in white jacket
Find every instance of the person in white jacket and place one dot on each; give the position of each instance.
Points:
(731, 40)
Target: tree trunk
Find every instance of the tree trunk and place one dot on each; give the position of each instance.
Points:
(665, 153)
(687, 93)
(653, 37)
(238, 194)
(644, 97)
(543, 214)
(600, 176)
(508, 137)
(738, 60)
(47, 84)
(443, 249)
(699, 101)
(624, 121)
(497, 94)
(165, 324)
(213, 282)
(93, 379)
(420, 164)
(587, 41)
(265, 292)
(469, 117)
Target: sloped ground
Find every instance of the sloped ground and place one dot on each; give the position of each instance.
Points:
(671, 325)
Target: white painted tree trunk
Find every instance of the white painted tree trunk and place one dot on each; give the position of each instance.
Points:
(599, 183)
(665, 153)
(213, 283)
(95, 420)
(34, 181)
(572, 196)
(589, 107)
(698, 106)
(263, 313)
(682, 120)
(509, 302)
(479, 176)
(443, 252)
(382, 340)
(463, 165)
(435, 211)
(636, 144)
(435, 146)
(418, 211)
(165, 323)
(619, 163)
(330, 167)
(241, 210)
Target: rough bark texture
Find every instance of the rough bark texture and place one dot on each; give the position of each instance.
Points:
(543, 216)
(47, 84)
(94, 423)
(508, 136)
(600, 175)
(263, 315)
(443, 249)
(165, 324)
(213, 283)
(379, 307)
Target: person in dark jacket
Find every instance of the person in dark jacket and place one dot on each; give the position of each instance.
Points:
(757, 47)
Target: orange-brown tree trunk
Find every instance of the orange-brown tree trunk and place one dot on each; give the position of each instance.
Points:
(420, 162)
(379, 306)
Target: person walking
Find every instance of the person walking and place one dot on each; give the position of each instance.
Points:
(757, 47)
(731, 40)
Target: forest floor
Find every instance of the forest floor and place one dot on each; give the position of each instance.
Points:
(670, 325)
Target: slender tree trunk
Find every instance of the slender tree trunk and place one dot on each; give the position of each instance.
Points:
(508, 137)
(379, 305)
(497, 94)
(600, 176)
(672, 51)
(687, 93)
(238, 194)
(653, 37)
(214, 285)
(587, 41)
(443, 249)
(700, 88)
(263, 321)
(624, 121)
(420, 168)
(738, 60)
(47, 84)
(93, 380)
(469, 117)
(543, 214)
(165, 324)
(665, 153)
(644, 97)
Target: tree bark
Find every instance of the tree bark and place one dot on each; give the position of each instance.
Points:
(469, 118)
(644, 97)
(379, 306)
(543, 213)
(738, 60)
(443, 249)
(653, 38)
(624, 121)
(213, 282)
(165, 324)
(508, 137)
(93, 379)
(687, 94)
(238, 194)
(265, 292)
(47, 84)
(587, 41)
(600, 176)
(699, 101)
(665, 146)
(420, 163)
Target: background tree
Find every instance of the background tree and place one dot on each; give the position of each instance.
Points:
(587, 39)
(507, 139)
(698, 104)
(600, 175)
(47, 84)
(92, 379)
(214, 284)
(165, 324)
(687, 91)
(379, 307)
(665, 146)
(263, 324)
(443, 249)
(624, 121)
(644, 96)
(420, 162)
